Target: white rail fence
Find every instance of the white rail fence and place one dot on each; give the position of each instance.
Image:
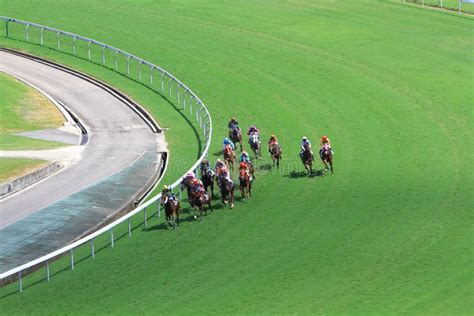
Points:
(457, 5)
(133, 67)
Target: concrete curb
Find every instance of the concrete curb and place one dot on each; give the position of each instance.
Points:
(29, 179)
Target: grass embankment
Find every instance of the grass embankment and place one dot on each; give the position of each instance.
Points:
(22, 109)
(11, 168)
(390, 232)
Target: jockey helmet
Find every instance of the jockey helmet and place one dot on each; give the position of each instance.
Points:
(195, 181)
(204, 161)
(190, 174)
(218, 161)
(305, 138)
(226, 140)
(243, 165)
(272, 136)
(244, 153)
(232, 119)
(165, 188)
(325, 138)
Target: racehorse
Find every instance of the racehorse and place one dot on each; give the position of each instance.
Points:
(275, 152)
(255, 145)
(326, 157)
(245, 183)
(236, 137)
(227, 191)
(200, 200)
(229, 157)
(171, 210)
(307, 159)
(207, 178)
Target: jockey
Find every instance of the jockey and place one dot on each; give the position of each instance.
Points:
(325, 141)
(169, 194)
(228, 142)
(198, 187)
(220, 167)
(233, 125)
(190, 175)
(205, 165)
(253, 130)
(306, 143)
(244, 157)
(273, 141)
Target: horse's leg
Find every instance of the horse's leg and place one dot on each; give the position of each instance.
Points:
(249, 188)
(210, 206)
(330, 163)
(177, 214)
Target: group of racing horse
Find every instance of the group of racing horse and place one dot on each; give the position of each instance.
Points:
(198, 188)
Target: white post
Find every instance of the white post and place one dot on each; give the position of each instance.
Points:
(129, 227)
(72, 259)
(116, 60)
(27, 28)
(112, 238)
(89, 49)
(162, 82)
(103, 55)
(59, 41)
(92, 248)
(441, 3)
(158, 206)
(74, 45)
(169, 83)
(47, 270)
(41, 36)
(20, 282)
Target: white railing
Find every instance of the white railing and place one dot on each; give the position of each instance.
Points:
(61, 40)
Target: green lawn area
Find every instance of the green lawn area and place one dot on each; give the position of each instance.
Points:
(22, 108)
(11, 168)
(391, 232)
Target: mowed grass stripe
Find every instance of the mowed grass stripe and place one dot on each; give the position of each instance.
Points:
(390, 232)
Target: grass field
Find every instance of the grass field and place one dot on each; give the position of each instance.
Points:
(390, 232)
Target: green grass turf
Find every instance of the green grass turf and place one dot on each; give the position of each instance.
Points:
(10, 168)
(24, 109)
(390, 232)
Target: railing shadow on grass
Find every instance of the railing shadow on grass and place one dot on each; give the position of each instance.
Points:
(304, 174)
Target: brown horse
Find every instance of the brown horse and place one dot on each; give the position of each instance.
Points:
(172, 207)
(229, 157)
(275, 152)
(255, 145)
(307, 159)
(326, 157)
(245, 183)
(236, 137)
(200, 200)
(227, 188)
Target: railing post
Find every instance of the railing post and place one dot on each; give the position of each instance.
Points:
(151, 75)
(162, 82)
(47, 270)
(42, 36)
(158, 206)
(59, 41)
(169, 83)
(177, 93)
(128, 65)
(184, 99)
(92, 248)
(89, 50)
(190, 107)
(180, 192)
(145, 218)
(20, 282)
(72, 259)
(27, 32)
(112, 238)
(116, 60)
(103, 55)
(74, 45)
(140, 71)
(129, 227)
(441, 3)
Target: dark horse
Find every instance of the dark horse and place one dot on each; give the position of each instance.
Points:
(236, 137)
(326, 157)
(255, 145)
(307, 159)
(229, 157)
(200, 200)
(188, 184)
(275, 152)
(171, 210)
(245, 183)
(207, 177)
(227, 191)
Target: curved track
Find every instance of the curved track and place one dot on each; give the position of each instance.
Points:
(118, 136)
